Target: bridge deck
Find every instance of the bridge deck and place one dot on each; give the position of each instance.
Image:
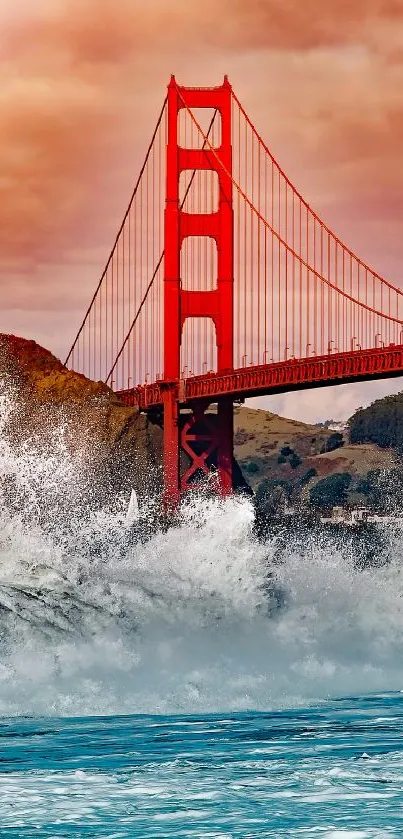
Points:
(266, 379)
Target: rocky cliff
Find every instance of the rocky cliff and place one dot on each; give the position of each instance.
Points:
(117, 445)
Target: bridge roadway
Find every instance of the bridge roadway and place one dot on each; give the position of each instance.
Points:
(279, 377)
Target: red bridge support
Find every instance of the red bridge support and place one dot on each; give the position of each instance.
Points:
(199, 434)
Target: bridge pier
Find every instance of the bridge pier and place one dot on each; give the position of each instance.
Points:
(225, 448)
(206, 439)
(171, 467)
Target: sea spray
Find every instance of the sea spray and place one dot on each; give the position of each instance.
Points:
(200, 616)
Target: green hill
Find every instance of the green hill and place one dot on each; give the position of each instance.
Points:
(381, 423)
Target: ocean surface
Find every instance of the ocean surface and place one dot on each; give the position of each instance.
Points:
(196, 682)
(332, 770)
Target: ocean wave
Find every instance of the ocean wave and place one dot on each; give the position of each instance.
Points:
(96, 617)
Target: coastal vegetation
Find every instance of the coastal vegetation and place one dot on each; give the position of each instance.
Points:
(294, 464)
(381, 423)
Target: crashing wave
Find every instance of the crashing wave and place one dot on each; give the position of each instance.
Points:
(102, 610)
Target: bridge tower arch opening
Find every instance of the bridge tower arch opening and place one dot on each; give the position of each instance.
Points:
(200, 435)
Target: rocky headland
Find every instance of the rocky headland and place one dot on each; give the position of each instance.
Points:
(117, 445)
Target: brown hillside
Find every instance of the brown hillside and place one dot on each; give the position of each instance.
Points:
(260, 436)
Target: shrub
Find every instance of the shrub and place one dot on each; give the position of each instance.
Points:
(295, 460)
(286, 451)
(335, 441)
(308, 475)
(330, 491)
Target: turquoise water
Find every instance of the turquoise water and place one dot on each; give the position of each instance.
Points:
(291, 773)
(181, 685)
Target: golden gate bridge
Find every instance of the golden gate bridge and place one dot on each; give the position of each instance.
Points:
(223, 283)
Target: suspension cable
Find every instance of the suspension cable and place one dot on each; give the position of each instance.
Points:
(308, 207)
(279, 238)
(103, 275)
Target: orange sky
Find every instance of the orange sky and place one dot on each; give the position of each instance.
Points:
(81, 82)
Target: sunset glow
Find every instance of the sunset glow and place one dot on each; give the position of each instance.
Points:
(81, 86)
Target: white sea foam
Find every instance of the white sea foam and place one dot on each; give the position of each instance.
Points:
(186, 620)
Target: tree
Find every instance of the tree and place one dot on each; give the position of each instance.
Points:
(380, 423)
(306, 477)
(335, 441)
(330, 491)
(286, 451)
(295, 460)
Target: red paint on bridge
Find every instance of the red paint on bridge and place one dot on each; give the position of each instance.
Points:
(223, 283)
(269, 379)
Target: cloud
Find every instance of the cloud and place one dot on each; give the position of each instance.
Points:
(77, 74)
(337, 403)
(289, 24)
(81, 82)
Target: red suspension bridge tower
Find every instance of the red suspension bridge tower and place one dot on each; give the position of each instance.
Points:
(197, 434)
